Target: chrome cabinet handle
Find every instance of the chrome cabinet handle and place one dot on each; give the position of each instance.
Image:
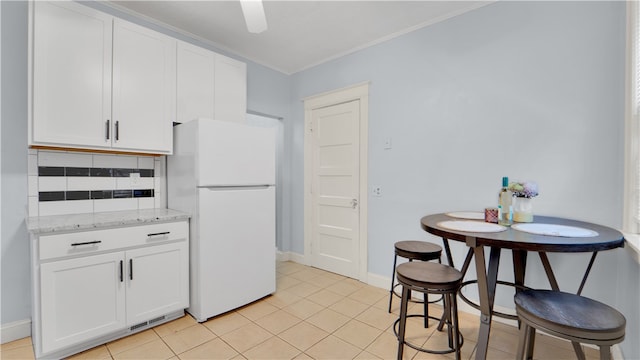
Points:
(86, 243)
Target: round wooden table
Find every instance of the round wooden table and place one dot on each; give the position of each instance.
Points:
(520, 243)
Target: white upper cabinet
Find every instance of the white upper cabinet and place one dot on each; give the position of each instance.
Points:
(230, 89)
(144, 73)
(84, 99)
(71, 75)
(210, 85)
(102, 83)
(196, 82)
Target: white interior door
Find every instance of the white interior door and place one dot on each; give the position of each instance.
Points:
(335, 186)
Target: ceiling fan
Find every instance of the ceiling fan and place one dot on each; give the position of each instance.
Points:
(253, 12)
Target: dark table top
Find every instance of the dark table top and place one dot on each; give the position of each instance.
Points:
(606, 239)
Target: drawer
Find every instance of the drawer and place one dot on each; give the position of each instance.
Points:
(94, 241)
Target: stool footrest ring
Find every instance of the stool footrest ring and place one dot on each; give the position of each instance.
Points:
(477, 307)
(415, 347)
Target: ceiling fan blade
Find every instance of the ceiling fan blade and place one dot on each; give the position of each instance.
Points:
(254, 15)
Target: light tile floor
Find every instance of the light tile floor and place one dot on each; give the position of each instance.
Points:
(314, 314)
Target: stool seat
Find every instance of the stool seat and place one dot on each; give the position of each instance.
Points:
(429, 275)
(414, 250)
(572, 314)
(430, 278)
(418, 250)
(568, 316)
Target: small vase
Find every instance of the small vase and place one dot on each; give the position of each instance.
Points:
(522, 209)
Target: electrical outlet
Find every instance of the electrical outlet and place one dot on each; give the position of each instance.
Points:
(387, 143)
(377, 191)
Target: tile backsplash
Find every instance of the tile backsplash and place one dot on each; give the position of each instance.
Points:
(70, 182)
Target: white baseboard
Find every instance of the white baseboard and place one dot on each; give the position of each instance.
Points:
(15, 330)
(290, 256)
(383, 282)
(616, 352)
(282, 256)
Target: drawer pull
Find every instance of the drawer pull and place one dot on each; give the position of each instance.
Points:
(87, 243)
(121, 271)
(160, 233)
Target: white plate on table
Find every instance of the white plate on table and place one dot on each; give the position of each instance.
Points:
(471, 226)
(554, 230)
(471, 215)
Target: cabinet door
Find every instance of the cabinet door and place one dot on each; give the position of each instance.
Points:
(195, 82)
(157, 281)
(230, 89)
(143, 88)
(81, 299)
(71, 75)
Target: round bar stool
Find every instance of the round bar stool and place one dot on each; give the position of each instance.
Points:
(414, 250)
(430, 278)
(568, 316)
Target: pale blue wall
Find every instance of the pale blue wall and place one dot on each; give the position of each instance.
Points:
(15, 291)
(530, 90)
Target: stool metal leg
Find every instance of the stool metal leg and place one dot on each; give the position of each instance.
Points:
(605, 352)
(522, 341)
(456, 327)
(426, 310)
(403, 320)
(578, 349)
(393, 279)
(447, 316)
(531, 341)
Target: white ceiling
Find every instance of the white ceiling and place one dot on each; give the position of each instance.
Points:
(300, 34)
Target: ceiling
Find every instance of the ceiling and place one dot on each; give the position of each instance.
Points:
(300, 34)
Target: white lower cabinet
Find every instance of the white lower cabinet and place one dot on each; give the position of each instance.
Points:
(99, 285)
(156, 281)
(81, 299)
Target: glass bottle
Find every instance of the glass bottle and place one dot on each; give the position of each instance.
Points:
(505, 211)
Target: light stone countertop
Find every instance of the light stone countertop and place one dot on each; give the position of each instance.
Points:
(90, 221)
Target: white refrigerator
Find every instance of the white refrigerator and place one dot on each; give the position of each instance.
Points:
(223, 174)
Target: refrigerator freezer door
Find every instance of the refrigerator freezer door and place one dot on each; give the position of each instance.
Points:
(236, 258)
(235, 154)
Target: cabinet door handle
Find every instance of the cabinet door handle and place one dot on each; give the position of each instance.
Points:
(108, 128)
(121, 271)
(159, 234)
(87, 243)
(117, 130)
(130, 269)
